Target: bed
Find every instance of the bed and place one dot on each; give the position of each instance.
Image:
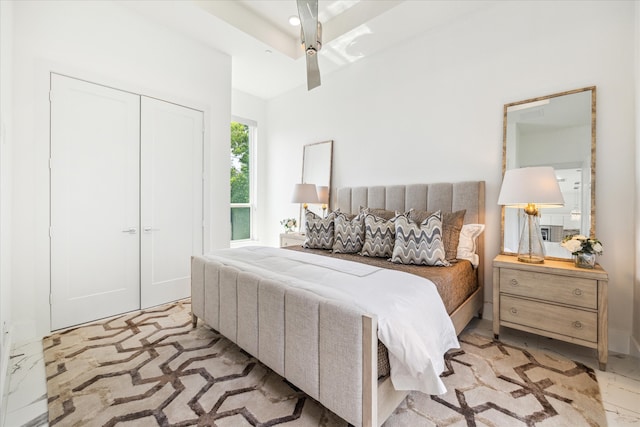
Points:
(326, 345)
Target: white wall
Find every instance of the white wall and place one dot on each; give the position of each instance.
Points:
(107, 43)
(6, 15)
(430, 110)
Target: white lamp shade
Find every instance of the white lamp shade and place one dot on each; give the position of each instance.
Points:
(304, 193)
(537, 185)
(323, 194)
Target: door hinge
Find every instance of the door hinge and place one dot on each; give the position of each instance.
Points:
(50, 299)
(50, 232)
(50, 163)
(50, 96)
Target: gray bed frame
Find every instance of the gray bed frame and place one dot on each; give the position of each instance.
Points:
(326, 348)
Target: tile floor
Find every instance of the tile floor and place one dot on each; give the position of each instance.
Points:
(619, 385)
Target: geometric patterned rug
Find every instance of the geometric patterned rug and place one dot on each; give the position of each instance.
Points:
(151, 367)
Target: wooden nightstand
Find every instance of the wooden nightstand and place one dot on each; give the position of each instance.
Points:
(554, 299)
(291, 239)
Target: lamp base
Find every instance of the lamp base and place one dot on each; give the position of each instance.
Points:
(531, 259)
(531, 247)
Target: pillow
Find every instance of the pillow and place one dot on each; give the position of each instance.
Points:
(379, 236)
(319, 231)
(419, 243)
(467, 246)
(348, 233)
(451, 225)
(380, 213)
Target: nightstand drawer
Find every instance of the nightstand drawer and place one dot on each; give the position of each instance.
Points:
(291, 239)
(291, 242)
(574, 291)
(547, 317)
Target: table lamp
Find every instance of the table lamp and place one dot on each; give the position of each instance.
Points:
(305, 194)
(531, 188)
(323, 197)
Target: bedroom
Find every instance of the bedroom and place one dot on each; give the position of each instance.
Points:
(439, 105)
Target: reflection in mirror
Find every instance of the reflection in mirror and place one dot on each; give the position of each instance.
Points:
(556, 130)
(316, 169)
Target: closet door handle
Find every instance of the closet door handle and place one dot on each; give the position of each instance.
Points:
(150, 229)
(130, 230)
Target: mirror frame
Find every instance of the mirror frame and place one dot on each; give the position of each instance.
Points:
(592, 89)
(306, 152)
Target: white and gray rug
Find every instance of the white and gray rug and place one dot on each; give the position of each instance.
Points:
(151, 368)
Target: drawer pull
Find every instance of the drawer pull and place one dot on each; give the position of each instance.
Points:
(577, 325)
(513, 282)
(514, 310)
(577, 292)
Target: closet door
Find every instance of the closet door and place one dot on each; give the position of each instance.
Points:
(95, 262)
(171, 199)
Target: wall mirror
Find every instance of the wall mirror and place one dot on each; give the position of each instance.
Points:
(316, 169)
(556, 130)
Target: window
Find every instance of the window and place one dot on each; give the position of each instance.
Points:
(243, 134)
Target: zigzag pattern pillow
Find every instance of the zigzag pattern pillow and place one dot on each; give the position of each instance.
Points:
(419, 243)
(452, 223)
(348, 234)
(379, 236)
(319, 231)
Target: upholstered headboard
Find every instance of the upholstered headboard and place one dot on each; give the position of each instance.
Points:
(447, 197)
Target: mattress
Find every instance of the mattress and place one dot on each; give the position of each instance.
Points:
(454, 284)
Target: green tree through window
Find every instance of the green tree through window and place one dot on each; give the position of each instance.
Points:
(240, 181)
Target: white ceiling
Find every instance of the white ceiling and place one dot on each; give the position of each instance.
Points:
(266, 54)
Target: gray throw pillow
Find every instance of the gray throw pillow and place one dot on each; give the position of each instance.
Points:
(348, 233)
(452, 223)
(319, 231)
(419, 243)
(379, 236)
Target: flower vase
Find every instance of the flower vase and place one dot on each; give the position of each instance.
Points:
(585, 260)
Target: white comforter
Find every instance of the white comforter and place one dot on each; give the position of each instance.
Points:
(412, 321)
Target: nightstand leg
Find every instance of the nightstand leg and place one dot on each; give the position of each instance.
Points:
(496, 336)
(603, 354)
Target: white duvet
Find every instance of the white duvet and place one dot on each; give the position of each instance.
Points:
(412, 321)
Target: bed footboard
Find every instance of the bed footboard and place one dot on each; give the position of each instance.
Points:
(314, 342)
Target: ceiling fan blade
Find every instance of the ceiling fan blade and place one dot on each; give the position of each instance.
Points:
(313, 72)
(308, 12)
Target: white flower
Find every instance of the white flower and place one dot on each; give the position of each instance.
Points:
(580, 237)
(572, 245)
(597, 248)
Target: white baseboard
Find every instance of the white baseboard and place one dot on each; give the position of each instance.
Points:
(635, 347)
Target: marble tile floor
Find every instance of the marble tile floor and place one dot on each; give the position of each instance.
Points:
(619, 385)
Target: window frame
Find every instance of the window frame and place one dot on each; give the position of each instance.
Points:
(253, 162)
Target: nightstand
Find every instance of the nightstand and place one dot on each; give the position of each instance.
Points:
(291, 239)
(554, 299)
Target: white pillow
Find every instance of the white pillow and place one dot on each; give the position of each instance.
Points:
(467, 244)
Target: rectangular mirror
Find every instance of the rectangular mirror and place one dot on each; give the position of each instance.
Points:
(316, 169)
(556, 130)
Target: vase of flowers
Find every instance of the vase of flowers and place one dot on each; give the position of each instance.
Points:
(289, 224)
(584, 249)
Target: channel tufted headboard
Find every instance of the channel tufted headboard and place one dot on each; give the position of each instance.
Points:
(447, 197)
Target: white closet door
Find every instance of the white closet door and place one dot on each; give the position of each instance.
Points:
(171, 199)
(95, 263)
